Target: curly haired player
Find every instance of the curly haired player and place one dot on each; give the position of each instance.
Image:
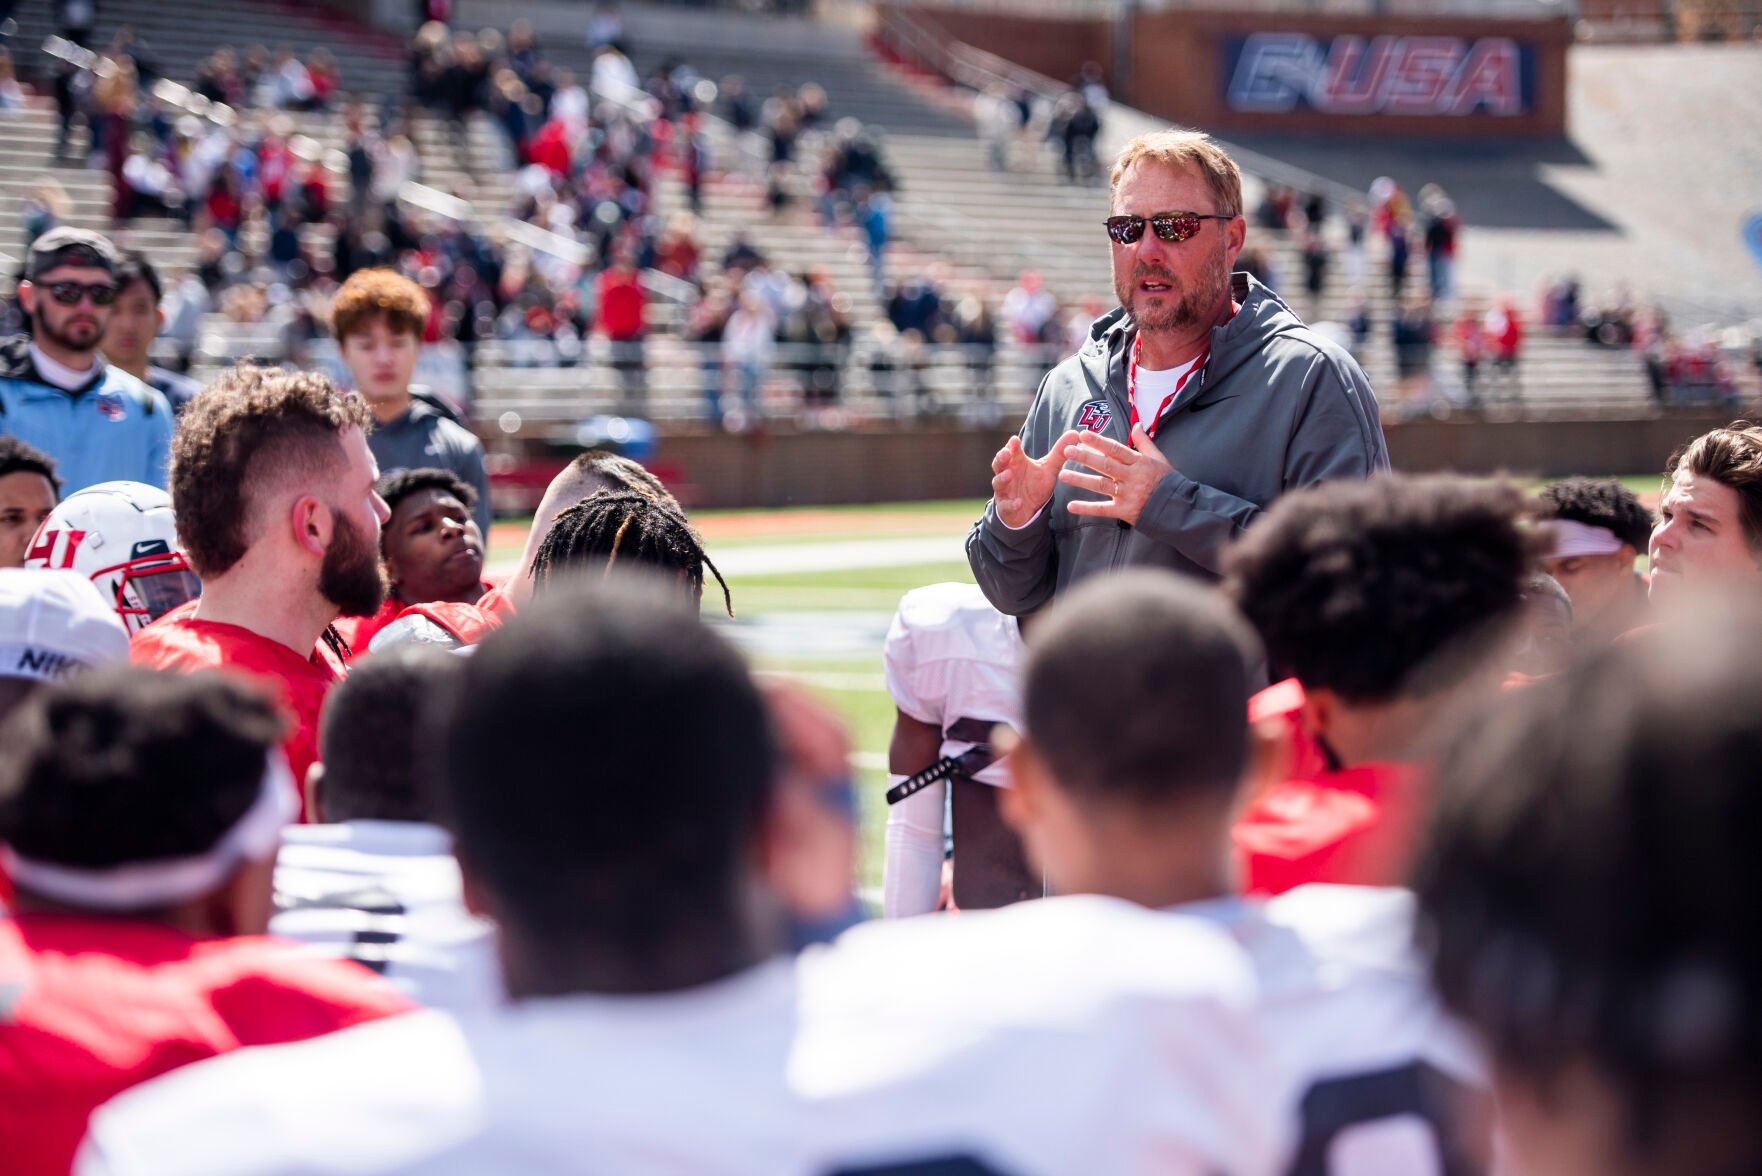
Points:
(1380, 600)
(277, 509)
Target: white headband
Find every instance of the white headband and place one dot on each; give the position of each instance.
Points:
(255, 836)
(1574, 538)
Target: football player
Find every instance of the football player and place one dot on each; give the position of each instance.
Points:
(140, 813)
(951, 668)
(624, 838)
(1596, 528)
(1368, 1076)
(374, 878)
(278, 511)
(122, 536)
(1386, 604)
(430, 546)
(1588, 893)
(28, 491)
(588, 473)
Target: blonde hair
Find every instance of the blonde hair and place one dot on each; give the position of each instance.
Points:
(1182, 149)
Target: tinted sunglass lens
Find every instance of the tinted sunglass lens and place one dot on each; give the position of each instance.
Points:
(1125, 229)
(68, 293)
(1176, 228)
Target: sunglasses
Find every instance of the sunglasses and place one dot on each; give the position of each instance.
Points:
(1168, 226)
(70, 293)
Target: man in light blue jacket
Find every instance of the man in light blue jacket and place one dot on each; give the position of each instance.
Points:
(99, 423)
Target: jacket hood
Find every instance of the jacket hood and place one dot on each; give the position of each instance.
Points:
(1263, 316)
(424, 405)
(16, 364)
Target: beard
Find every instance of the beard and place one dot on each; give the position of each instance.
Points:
(78, 337)
(1178, 309)
(349, 576)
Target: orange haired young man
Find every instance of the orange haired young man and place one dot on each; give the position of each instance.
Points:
(378, 318)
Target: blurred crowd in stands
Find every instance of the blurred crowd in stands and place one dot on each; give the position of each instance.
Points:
(312, 180)
(1432, 323)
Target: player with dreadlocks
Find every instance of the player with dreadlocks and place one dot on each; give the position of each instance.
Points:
(613, 524)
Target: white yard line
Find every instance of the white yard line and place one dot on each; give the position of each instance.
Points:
(832, 557)
(783, 558)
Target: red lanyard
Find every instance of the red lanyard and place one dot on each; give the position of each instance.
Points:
(1132, 388)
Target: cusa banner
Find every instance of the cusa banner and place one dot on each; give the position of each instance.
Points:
(1276, 73)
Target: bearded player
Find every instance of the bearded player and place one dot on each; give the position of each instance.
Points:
(274, 490)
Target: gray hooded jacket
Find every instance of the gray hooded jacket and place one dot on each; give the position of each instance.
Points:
(1276, 407)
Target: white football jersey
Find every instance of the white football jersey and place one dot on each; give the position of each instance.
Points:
(683, 1084)
(1073, 1035)
(949, 655)
(387, 894)
(1376, 1078)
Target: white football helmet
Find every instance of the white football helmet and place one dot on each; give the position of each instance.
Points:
(123, 537)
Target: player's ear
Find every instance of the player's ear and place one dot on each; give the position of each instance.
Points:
(475, 897)
(312, 523)
(314, 789)
(242, 904)
(1320, 708)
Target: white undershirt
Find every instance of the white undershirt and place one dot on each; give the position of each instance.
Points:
(1156, 386)
(59, 374)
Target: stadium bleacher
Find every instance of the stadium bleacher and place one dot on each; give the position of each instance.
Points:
(980, 226)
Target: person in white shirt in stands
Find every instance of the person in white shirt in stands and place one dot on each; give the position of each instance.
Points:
(374, 880)
(611, 779)
(1369, 1076)
(951, 663)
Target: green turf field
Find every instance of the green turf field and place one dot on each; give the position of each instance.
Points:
(850, 683)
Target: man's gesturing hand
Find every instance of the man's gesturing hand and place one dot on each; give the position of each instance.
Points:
(1127, 476)
(1021, 485)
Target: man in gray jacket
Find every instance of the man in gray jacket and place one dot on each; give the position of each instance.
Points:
(1191, 407)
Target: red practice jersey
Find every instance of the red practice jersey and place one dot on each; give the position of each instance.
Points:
(1355, 827)
(91, 1006)
(358, 632)
(498, 602)
(177, 641)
